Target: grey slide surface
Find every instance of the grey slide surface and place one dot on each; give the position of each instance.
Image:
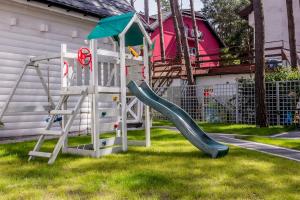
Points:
(183, 122)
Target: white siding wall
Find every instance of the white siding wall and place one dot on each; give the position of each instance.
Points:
(221, 79)
(176, 83)
(23, 39)
(276, 25)
(296, 6)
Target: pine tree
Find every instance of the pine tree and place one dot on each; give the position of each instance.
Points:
(161, 31)
(195, 27)
(291, 29)
(185, 45)
(177, 32)
(260, 85)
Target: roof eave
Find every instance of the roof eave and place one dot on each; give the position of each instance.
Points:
(69, 8)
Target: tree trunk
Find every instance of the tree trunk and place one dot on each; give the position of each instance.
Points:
(177, 31)
(260, 86)
(132, 3)
(195, 27)
(146, 7)
(161, 32)
(185, 45)
(292, 37)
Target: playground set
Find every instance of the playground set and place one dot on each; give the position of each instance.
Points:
(116, 82)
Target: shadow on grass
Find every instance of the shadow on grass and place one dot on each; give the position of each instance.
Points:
(281, 142)
(145, 180)
(171, 169)
(240, 129)
(177, 154)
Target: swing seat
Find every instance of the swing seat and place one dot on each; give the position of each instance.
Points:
(57, 118)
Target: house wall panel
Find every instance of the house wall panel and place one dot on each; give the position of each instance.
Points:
(28, 110)
(276, 24)
(208, 45)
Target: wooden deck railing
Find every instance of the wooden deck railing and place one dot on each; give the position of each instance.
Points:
(218, 61)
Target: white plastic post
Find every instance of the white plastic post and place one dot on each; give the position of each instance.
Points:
(277, 102)
(237, 104)
(64, 84)
(64, 124)
(147, 109)
(94, 85)
(64, 79)
(123, 92)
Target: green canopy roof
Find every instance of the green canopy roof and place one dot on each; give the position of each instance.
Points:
(113, 26)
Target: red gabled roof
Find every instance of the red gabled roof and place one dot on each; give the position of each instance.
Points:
(199, 15)
(96, 8)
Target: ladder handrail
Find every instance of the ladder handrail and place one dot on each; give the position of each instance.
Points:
(65, 129)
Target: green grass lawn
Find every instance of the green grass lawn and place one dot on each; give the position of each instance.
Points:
(287, 143)
(240, 129)
(170, 169)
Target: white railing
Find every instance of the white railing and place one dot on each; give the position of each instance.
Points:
(74, 74)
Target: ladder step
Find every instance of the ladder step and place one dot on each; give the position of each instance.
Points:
(40, 154)
(73, 92)
(51, 133)
(61, 112)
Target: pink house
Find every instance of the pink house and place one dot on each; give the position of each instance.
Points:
(209, 45)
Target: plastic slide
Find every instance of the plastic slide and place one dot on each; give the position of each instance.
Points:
(183, 122)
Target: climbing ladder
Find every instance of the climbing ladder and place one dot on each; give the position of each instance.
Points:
(69, 115)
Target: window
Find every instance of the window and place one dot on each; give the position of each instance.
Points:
(192, 33)
(193, 51)
(199, 34)
(186, 31)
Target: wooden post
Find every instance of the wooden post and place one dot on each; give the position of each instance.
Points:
(178, 35)
(260, 85)
(195, 27)
(292, 34)
(161, 32)
(184, 41)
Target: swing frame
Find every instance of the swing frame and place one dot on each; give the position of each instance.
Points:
(32, 62)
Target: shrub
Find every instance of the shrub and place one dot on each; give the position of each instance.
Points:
(283, 74)
(279, 74)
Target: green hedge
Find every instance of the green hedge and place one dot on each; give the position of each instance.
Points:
(280, 74)
(283, 74)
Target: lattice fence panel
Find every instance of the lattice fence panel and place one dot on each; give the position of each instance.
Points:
(235, 103)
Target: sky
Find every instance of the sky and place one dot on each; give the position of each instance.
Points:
(139, 5)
